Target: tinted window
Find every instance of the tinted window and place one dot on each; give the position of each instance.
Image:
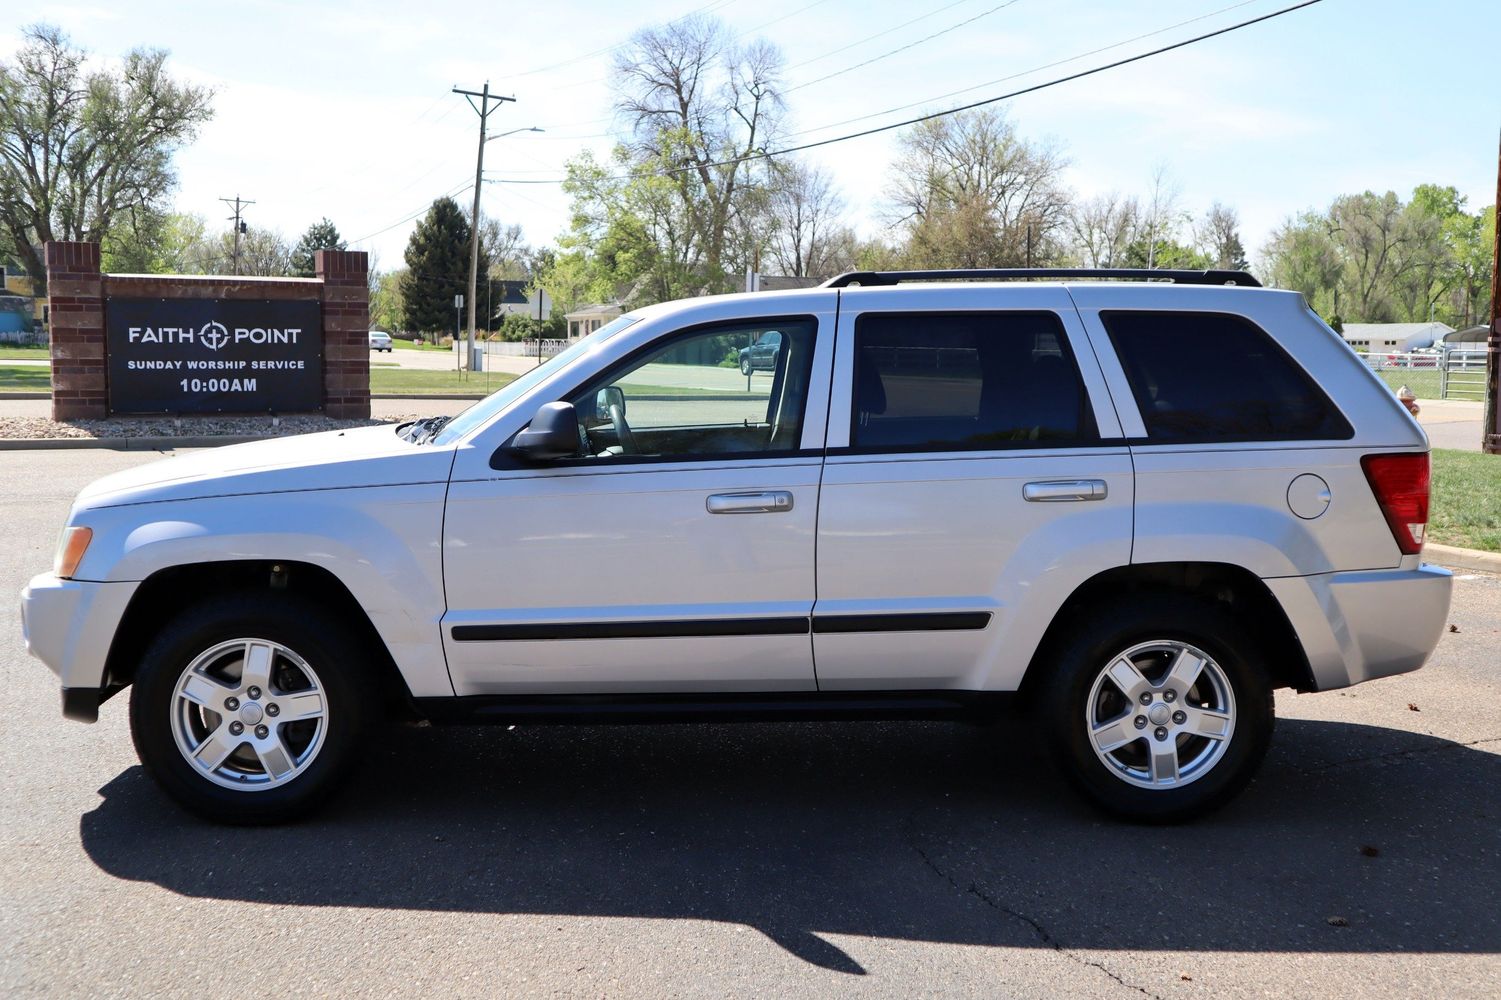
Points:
(692, 396)
(972, 381)
(1213, 377)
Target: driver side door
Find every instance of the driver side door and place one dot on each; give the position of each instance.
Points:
(674, 551)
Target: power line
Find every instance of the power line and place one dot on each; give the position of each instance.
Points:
(769, 154)
(1028, 72)
(879, 34)
(903, 48)
(462, 187)
(708, 8)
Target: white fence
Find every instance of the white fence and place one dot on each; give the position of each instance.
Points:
(523, 348)
(1459, 374)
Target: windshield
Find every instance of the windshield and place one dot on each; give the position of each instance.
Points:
(481, 412)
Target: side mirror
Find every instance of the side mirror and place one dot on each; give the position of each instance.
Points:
(610, 395)
(553, 433)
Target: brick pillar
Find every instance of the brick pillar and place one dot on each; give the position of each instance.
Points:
(75, 300)
(346, 332)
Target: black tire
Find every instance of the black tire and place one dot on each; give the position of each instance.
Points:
(324, 644)
(1093, 642)
(745, 366)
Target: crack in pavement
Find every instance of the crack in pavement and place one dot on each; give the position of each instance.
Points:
(1394, 754)
(1043, 934)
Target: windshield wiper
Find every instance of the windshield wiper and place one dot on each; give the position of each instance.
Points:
(428, 429)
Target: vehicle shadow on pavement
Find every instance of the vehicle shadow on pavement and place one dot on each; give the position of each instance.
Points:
(1355, 839)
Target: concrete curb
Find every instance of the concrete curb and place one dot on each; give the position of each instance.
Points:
(1457, 558)
(25, 395)
(130, 443)
(426, 395)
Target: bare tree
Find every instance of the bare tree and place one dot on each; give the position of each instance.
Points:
(1218, 236)
(1102, 229)
(695, 104)
(807, 237)
(973, 193)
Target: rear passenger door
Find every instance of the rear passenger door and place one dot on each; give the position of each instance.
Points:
(976, 474)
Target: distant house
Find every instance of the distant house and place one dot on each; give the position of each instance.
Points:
(510, 296)
(586, 319)
(1393, 338)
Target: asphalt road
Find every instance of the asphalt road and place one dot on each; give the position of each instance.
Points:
(759, 860)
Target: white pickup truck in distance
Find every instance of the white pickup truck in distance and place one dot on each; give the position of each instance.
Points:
(1132, 507)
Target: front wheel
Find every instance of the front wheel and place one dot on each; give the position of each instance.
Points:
(1159, 708)
(745, 366)
(248, 709)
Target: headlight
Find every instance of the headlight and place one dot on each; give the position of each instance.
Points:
(70, 549)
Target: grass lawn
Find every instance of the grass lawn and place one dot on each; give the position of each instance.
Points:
(1422, 381)
(8, 351)
(25, 378)
(1466, 505)
(413, 380)
(407, 345)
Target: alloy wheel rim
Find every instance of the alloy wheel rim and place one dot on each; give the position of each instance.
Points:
(1160, 714)
(249, 714)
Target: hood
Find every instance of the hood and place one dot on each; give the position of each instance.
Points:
(363, 456)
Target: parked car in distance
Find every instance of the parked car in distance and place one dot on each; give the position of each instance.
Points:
(1131, 508)
(380, 341)
(762, 355)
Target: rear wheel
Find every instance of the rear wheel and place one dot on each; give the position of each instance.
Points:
(1159, 708)
(247, 709)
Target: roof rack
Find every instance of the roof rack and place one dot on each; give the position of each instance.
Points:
(1178, 277)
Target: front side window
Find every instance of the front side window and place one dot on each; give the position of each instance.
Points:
(966, 382)
(1214, 377)
(726, 390)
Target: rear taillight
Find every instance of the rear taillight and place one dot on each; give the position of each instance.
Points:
(1400, 483)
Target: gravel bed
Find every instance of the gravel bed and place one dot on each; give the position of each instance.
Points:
(129, 427)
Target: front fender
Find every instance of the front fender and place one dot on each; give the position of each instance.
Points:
(382, 543)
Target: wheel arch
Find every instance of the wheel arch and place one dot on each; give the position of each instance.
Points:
(1245, 594)
(166, 592)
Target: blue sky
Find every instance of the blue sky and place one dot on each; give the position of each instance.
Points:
(343, 108)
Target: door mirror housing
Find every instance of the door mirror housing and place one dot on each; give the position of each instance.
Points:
(610, 395)
(553, 433)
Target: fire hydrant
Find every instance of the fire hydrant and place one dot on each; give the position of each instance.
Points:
(1408, 399)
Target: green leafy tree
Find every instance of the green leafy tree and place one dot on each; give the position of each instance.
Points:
(437, 260)
(386, 302)
(80, 147)
(323, 235)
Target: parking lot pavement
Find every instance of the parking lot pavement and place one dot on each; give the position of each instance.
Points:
(867, 859)
(1453, 423)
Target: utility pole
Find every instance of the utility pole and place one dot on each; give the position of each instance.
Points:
(483, 109)
(239, 226)
(1490, 440)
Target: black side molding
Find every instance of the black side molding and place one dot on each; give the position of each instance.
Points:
(711, 627)
(961, 621)
(693, 628)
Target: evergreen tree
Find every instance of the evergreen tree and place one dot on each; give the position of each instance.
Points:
(320, 236)
(437, 259)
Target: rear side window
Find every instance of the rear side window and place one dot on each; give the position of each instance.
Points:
(966, 382)
(1200, 377)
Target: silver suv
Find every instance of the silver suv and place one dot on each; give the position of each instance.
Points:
(1138, 505)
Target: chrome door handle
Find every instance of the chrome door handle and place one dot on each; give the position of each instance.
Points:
(770, 502)
(1064, 490)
